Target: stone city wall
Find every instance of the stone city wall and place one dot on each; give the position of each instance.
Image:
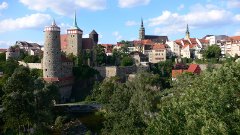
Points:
(31, 65)
(110, 71)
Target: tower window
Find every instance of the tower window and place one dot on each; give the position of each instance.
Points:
(45, 69)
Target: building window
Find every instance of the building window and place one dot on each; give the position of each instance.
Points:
(45, 69)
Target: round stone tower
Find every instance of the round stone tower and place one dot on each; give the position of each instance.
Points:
(52, 53)
(94, 36)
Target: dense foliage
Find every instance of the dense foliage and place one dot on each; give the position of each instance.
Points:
(128, 105)
(27, 102)
(212, 52)
(32, 59)
(100, 55)
(204, 104)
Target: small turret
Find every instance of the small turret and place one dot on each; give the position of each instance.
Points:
(94, 36)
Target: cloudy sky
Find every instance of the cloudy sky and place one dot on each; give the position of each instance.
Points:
(116, 20)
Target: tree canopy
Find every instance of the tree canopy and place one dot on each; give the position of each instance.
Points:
(208, 103)
(27, 101)
(213, 51)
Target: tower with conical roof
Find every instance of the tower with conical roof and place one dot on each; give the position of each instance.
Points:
(52, 53)
(187, 33)
(94, 35)
(142, 31)
(74, 39)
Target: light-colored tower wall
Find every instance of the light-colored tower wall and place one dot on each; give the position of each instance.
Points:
(142, 31)
(74, 41)
(52, 52)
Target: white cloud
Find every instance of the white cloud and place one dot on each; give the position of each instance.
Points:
(233, 4)
(117, 35)
(132, 3)
(180, 7)
(237, 17)
(91, 4)
(28, 22)
(64, 7)
(200, 16)
(3, 5)
(6, 44)
(237, 33)
(131, 23)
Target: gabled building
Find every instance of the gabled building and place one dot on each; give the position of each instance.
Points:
(157, 54)
(139, 58)
(191, 47)
(108, 48)
(13, 52)
(232, 46)
(193, 68)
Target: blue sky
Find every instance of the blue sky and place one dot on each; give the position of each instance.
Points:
(117, 20)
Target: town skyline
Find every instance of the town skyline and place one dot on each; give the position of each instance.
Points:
(118, 20)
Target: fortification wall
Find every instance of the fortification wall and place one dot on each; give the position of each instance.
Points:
(31, 65)
(110, 71)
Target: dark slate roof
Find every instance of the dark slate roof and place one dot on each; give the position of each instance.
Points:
(159, 39)
(87, 43)
(93, 32)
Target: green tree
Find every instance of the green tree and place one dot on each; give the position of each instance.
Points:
(26, 101)
(18, 108)
(127, 61)
(212, 52)
(100, 55)
(205, 104)
(32, 59)
(128, 105)
(2, 57)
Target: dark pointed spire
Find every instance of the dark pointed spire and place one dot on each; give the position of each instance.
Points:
(75, 21)
(54, 23)
(142, 23)
(187, 31)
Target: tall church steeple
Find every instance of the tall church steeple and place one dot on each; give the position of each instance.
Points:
(187, 33)
(74, 39)
(75, 21)
(142, 31)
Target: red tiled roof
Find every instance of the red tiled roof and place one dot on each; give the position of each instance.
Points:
(3, 50)
(158, 46)
(194, 68)
(87, 43)
(235, 38)
(107, 45)
(143, 42)
(177, 72)
(63, 41)
(204, 41)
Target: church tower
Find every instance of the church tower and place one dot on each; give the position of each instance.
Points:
(187, 33)
(94, 35)
(141, 31)
(52, 52)
(74, 39)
